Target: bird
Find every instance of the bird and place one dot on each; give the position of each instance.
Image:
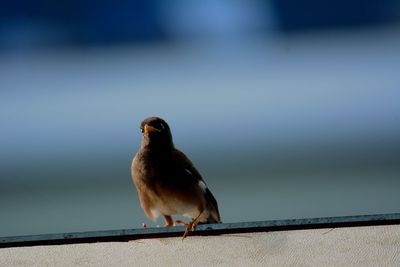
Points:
(167, 181)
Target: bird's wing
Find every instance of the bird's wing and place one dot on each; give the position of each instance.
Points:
(181, 160)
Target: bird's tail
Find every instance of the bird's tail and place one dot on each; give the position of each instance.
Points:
(212, 206)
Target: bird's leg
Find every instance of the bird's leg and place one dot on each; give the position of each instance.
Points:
(168, 221)
(195, 221)
(192, 225)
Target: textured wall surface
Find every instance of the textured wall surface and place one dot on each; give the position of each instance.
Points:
(358, 246)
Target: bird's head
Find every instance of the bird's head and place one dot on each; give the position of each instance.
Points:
(156, 133)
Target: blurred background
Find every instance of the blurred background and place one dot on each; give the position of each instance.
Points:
(289, 109)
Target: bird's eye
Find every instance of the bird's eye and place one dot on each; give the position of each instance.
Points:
(141, 129)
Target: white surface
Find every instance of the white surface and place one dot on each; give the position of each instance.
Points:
(359, 246)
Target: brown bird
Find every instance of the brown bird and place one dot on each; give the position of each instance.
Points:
(167, 182)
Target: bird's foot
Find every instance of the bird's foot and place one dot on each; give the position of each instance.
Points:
(189, 227)
(168, 221)
(192, 225)
(180, 222)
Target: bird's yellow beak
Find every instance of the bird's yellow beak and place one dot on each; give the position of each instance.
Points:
(148, 129)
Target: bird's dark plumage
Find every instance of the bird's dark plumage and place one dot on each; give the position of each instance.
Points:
(167, 181)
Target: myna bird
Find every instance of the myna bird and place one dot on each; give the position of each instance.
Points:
(167, 181)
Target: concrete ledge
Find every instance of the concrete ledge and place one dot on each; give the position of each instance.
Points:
(209, 229)
(355, 246)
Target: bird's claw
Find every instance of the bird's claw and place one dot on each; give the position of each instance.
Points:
(179, 222)
(189, 227)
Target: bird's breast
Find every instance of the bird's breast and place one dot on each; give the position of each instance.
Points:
(164, 189)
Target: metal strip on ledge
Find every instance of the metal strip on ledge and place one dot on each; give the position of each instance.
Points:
(205, 229)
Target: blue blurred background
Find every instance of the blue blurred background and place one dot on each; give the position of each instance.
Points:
(289, 109)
